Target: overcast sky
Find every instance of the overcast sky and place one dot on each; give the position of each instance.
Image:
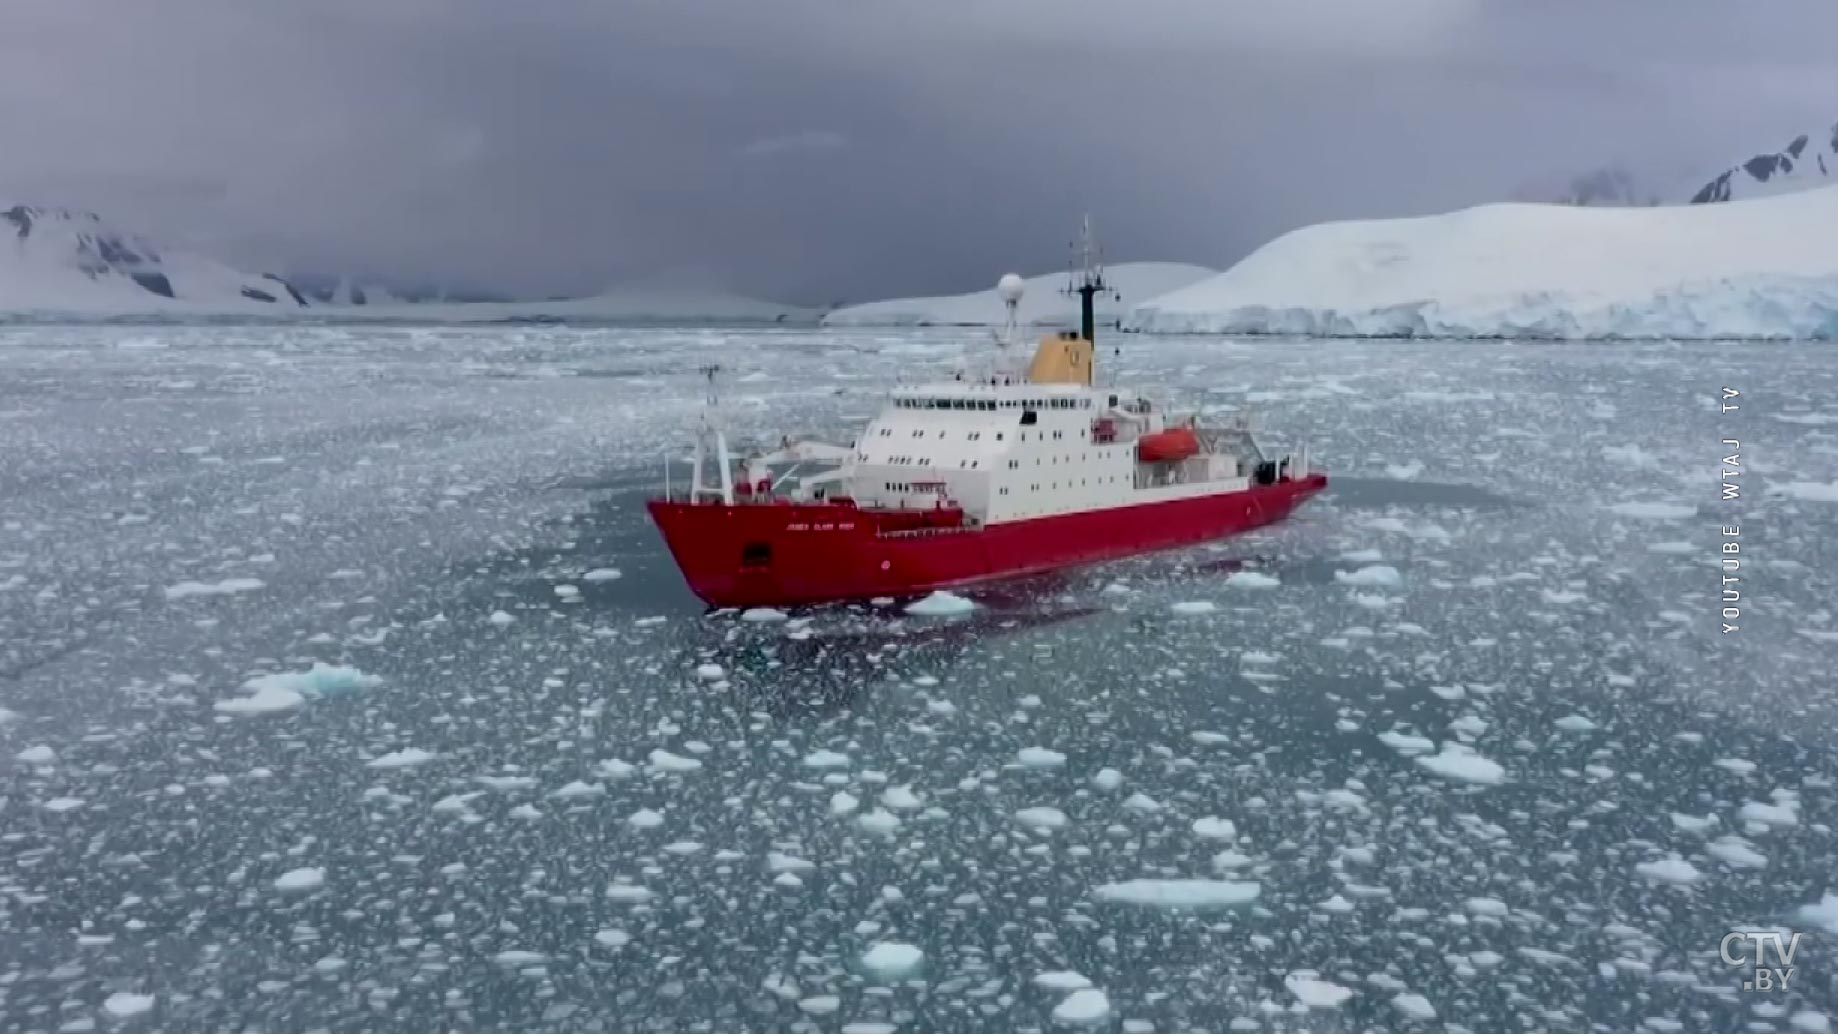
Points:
(815, 150)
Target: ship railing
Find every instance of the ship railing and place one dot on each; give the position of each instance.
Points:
(921, 533)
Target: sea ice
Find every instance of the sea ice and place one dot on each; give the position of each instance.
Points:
(763, 614)
(287, 690)
(1194, 607)
(892, 960)
(645, 818)
(1252, 580)
(1039, 757)
(1670, 870)
(1107, 779)
(1656, 511)
(1377, 574)
(226, 587)
(826, 759)
(1461, 763)
(1415, 1007)
(664, 761)
(297, 880)
(1823, 913)
(39, 754)
(1215, 829)
(1179, 893)
(1314, 992)
(123, 1004)
(1086, 1005)
(1061, 980)
(601, 574)
(408, 757)
(941, 604)
(1042, 818)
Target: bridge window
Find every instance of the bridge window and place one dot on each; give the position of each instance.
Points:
(1028, 416)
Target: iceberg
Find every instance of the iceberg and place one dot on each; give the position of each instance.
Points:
(1042, 303)
(1747, 269)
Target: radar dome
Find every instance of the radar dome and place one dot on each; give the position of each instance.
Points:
(1009, 288)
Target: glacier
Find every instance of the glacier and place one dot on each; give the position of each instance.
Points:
(1042, 303)
(1758, 268)
(61, 261)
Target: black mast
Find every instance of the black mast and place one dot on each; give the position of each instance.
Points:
(1088, 282)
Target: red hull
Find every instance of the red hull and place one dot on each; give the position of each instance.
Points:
(760, 555)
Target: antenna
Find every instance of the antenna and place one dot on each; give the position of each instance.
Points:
(1087, 280)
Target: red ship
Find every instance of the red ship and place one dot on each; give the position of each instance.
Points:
(993, 475)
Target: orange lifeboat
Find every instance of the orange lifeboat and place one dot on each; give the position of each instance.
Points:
(1176, 443)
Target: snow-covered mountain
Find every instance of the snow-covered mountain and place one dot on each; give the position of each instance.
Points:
(635, 304)
(1811, 160)
(58, 260)
(1041, 305)
(1760, 268)
(1608, 185)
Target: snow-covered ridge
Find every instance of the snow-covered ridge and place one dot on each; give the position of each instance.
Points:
(1043, 304)
(1811, 160)
(59, 260)
(1763, 268)
(640, 304)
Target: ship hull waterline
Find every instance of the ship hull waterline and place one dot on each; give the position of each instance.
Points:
(762, 555)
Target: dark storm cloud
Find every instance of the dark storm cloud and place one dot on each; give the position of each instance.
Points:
(821, 149)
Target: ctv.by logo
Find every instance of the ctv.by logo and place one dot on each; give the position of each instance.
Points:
(1750, 949)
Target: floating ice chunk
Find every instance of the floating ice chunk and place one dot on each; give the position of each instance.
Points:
(1362, 556)
(516, 957)
(1670, 870)
(59, 805)
(710, 672)
(612, 938)
(892, 960)
(842, 803)
(1735, 766)
(1415, 1007)
(1377, 574)
(627, 893)
(1823, 913)
(408, 757)
(1575, 723)
(1405, 743)
(501, 618)
(1042, 818)
(227, 587)
(826, 759)
(1811, 1021)
(1062, 980)
(1654, 511)
(601, 574)
(455, 803)
(763, 614)
(941, 604)
(296, 881)
(1487, 906)
(1693, 823)
(1404, 471)
(1314, 992)
(40, 754)
(123, 1004)
(1336, 904)
(1761, 814)
(578, 789)
(1107, 779)
(869, 1027)
(645, 818)
(1194, 607)
(1086, 1005)
(880, 820)
(568, 592)
(901, 798)
(1469, 726)
(1215, 828)
(1252, 580)
(1209, 739)
(1230, 859)
(779, 862)
(1142, 802)
(1039, 757)
(1736, 852)
(287, 690)
(509, 782)
(526, 812)
(820, 1005)
(1462, 764)
(1179, 894)
(664, 761)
